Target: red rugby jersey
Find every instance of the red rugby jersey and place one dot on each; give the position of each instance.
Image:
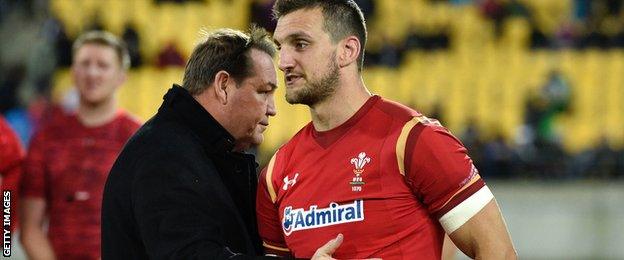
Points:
(67, 164)
(11, 157)
(389, 179)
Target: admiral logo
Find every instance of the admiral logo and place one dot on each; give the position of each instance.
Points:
(300, 219)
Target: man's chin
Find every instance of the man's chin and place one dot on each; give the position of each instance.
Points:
(293, 98)
(257, 140)
(248, 143)
(93, 100)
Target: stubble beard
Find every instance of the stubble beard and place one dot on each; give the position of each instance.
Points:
(314, 92)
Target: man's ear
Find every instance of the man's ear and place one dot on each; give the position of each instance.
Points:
(220, 84)
(349, 51)
(121, 79)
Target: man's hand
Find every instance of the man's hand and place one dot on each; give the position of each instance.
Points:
(325, 252)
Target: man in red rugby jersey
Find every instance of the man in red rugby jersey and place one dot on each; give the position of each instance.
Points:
(390, 179)
(70, 156)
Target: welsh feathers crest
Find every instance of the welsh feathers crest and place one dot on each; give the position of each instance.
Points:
(360, 162)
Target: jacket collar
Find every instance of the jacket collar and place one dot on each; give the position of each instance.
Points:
(186, 109)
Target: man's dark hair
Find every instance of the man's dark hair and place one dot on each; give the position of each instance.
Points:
(227, 50)
(107, 39)
(342, 18)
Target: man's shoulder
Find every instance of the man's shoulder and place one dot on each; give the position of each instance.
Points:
(396, 110)
(287, 152)
(159, 150)
(55, 129)
(128, 121)
(8, 138)
(302, 136)
(163, 135)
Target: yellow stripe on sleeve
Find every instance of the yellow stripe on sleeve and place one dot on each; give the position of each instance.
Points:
(264, 244)
(269, 175)
(474, 179)
(402, 141)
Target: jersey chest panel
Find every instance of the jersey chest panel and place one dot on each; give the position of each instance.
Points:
(353, 187)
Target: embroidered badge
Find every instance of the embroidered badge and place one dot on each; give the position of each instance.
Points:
(359, 162)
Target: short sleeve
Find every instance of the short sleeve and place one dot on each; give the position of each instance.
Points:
(269, 225)
(440, 173)
(11, 156)
(11, 164)
(33, 180)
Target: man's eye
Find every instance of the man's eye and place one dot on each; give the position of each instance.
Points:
(301, 45)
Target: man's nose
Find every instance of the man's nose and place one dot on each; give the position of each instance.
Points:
(271, 109)
(92, 70)
(286, 61)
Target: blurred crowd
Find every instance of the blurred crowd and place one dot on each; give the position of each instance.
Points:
(535, 153)
(594, 24)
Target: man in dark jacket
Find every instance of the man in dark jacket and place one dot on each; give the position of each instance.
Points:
(181, 188)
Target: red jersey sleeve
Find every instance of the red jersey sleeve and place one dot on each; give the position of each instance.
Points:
(33, 181)
(11, 160)
(11, 156)
(442, 175)
(269, 225)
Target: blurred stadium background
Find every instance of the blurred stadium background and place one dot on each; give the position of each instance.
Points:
(534, 89)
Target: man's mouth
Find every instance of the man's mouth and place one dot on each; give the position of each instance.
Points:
(291, 78)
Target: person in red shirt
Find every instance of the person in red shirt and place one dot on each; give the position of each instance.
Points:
(71, 154)
(11, 159)
(391, 180)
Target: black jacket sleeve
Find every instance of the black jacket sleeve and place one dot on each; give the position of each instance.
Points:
(177, 216)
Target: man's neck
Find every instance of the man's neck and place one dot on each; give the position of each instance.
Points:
(93, 115)
(349, 97)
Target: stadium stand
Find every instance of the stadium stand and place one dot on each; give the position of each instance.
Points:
(479, 77)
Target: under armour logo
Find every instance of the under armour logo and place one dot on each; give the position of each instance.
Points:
(288, 182)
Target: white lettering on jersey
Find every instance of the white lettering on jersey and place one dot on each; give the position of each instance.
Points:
(334, 214)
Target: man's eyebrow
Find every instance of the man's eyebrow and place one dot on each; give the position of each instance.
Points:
(297, 34)
(294, 35)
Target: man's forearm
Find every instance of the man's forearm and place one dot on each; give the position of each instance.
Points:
(506, 254)
(485, 235)
(36, 244)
